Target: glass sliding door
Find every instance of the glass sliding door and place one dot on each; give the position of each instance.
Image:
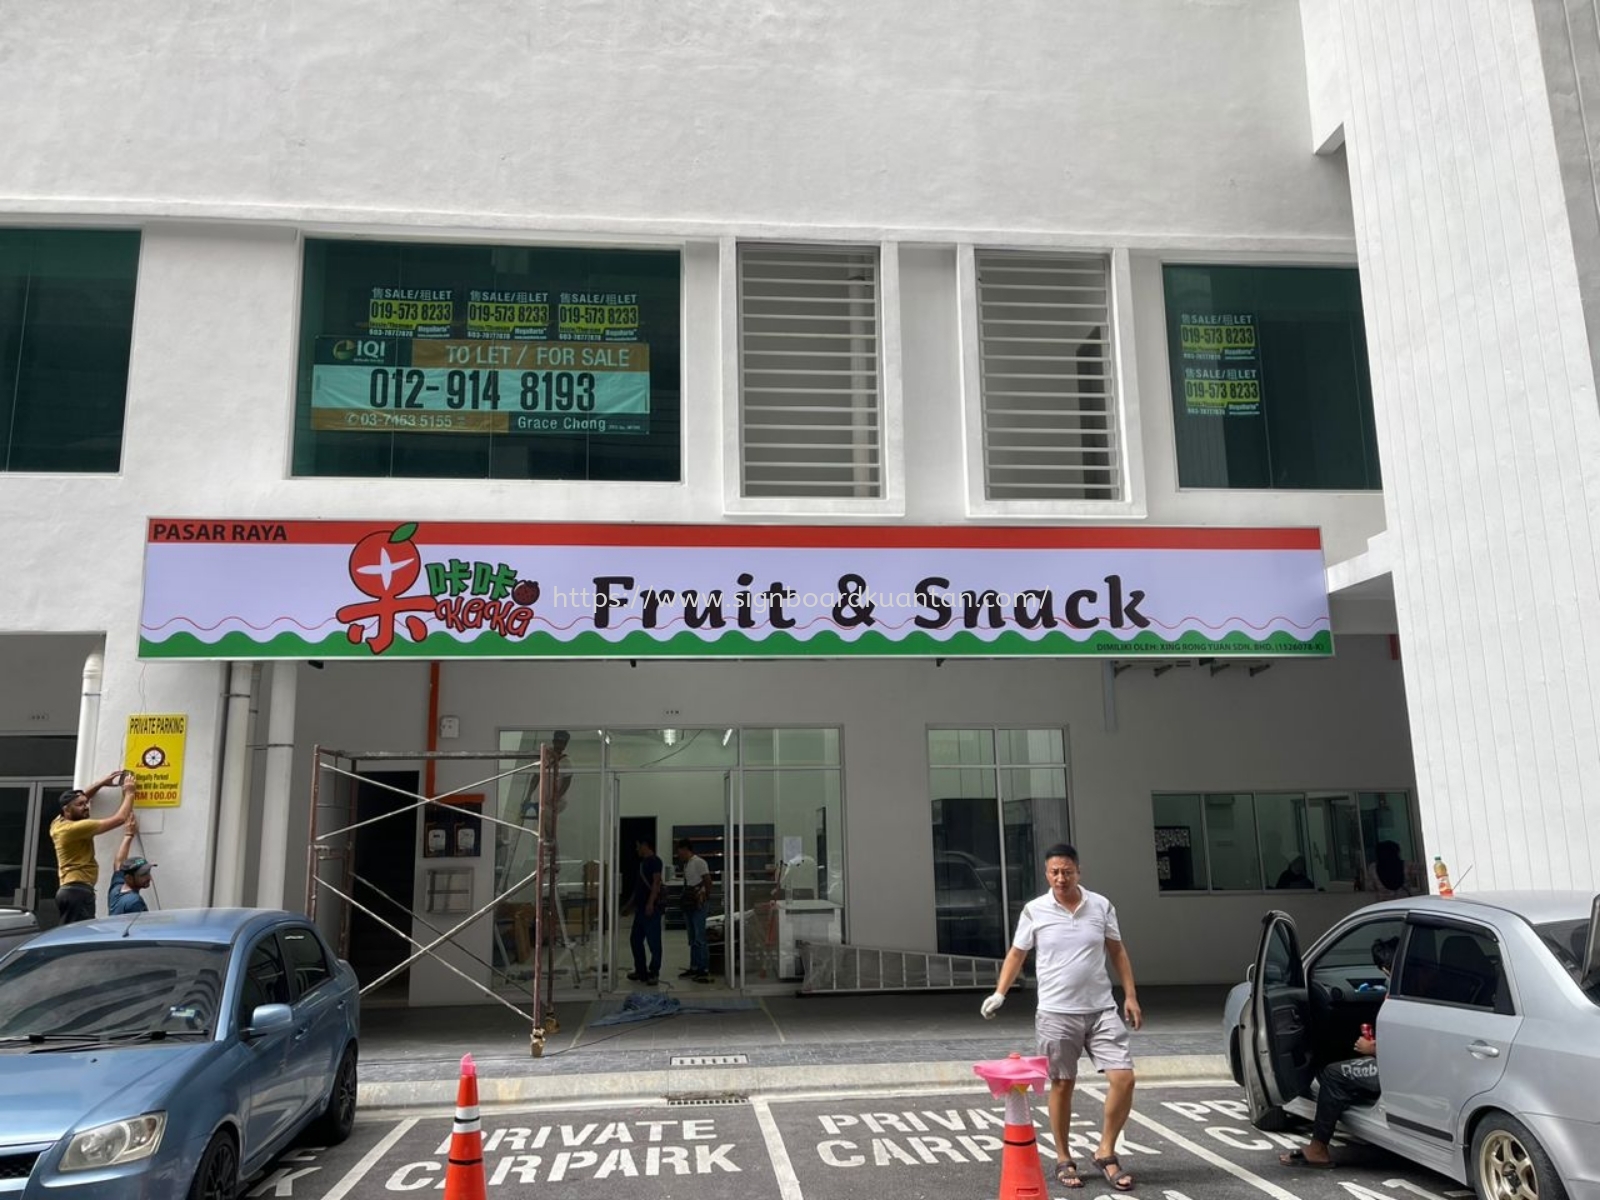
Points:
(790, 862)
(27, 855)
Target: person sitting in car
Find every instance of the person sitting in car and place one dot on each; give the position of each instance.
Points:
(1343, 1084)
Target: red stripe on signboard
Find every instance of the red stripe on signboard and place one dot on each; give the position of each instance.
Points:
(161, 531)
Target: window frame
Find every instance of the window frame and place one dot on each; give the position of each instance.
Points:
(241, 1018)
(1507, 1003)
(1207, 259)
(892, 501)
(1124, 398)
(137, 232)
(625, 490)
(322, 950)
(997, 766)
(1306, 794)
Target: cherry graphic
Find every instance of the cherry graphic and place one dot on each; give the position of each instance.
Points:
(384, 565)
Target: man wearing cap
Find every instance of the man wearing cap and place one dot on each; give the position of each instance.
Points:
(129, 876)
(73, 833)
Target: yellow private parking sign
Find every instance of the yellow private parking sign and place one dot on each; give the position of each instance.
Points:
(155, 755)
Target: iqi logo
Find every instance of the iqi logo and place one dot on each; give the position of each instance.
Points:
(386, 564)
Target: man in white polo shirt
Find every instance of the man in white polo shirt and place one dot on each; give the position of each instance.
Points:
(1075, 932)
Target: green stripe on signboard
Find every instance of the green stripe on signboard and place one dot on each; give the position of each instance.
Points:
(735, 644)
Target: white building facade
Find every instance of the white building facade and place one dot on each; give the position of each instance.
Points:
(852, 282)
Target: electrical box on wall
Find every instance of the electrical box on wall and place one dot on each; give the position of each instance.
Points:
(449, 727)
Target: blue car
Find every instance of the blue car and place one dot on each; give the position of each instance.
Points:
(171, 1054)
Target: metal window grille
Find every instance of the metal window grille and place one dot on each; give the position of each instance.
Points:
(810, 411)
(1049, 400)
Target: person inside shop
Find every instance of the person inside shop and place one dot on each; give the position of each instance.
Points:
(646, 915)
(1345, 1083)
(129, 876)
(695, 900)
(1294, 875)
(1388, 875)
(73, 834)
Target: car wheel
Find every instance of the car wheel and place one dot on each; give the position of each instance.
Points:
(217, 1177)
(339, 1117)
(1509, 1164)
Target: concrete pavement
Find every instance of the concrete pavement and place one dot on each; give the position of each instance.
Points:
(768, 1045)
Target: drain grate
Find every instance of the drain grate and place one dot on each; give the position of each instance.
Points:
(710, 1060)
(691, 1099)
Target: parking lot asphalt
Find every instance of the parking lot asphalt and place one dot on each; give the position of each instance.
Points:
(1187, 1141)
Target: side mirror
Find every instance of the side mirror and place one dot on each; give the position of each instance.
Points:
(268, 1019)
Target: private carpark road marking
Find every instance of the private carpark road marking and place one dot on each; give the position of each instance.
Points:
(1199, 1151)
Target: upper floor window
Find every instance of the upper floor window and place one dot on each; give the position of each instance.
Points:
(1270, 383)
(489, 362)
(810, 404)
(1045, 367)
(66, 325)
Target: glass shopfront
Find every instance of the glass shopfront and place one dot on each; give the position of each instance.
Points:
(762, 806)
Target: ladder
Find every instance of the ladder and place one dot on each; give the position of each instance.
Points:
(833, 969)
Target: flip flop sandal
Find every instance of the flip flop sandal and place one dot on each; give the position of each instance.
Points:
(1297, 1158)
(1067, 1174)
(1115, 1175)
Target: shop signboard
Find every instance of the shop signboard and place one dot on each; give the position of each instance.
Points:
(231, 589)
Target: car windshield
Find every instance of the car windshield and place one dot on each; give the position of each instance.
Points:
(1567, 940)
(111, 989)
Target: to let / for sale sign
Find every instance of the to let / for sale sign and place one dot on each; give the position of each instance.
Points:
(155, 755)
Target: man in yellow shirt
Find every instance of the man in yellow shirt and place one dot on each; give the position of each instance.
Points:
(73, 833)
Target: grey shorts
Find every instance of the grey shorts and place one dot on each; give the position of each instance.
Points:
(1065, 1037)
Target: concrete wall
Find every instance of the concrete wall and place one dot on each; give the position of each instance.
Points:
(1334, 724)
(712, 113)
(1488, 425)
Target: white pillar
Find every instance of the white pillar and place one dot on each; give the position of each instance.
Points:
(227, 886)
(83, 769)
(274, 862)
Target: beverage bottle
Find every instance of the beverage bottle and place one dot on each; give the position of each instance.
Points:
(1442, 874)
(1368, 1032)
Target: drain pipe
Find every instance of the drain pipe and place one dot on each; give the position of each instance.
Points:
(227, 888)
(94, 670)
(275, 800)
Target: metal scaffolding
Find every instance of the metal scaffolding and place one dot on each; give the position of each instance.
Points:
(336, 774)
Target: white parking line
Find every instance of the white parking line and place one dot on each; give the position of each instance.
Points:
(359, 1172)
(1199, 1151)
(777, 1152)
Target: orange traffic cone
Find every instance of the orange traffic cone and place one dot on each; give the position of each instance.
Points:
(1021, 1172)
(463, 1178)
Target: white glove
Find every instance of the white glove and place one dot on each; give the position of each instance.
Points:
(992, 1005)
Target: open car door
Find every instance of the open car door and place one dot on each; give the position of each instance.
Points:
(1277, 1030)
(1589, 969)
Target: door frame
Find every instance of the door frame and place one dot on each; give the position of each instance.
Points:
(29, 895)
(608, 978)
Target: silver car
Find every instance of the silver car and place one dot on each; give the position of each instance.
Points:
(1488, 1035)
